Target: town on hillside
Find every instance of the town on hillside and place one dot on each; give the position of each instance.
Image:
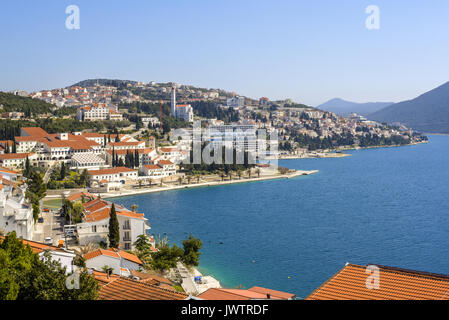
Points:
(65, 152)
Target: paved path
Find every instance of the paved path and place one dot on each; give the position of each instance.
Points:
(187, 282)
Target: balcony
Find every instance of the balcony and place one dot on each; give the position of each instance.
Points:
(127, 226)
(126, 238)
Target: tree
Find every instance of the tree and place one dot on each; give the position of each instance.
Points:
(142, 243)
(114, 229)
(24, 275)
(134, 206)
(27, 171)
(166, 257)
(62, 173)
(191, 255)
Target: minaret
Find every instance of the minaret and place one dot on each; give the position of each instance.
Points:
(173, 101)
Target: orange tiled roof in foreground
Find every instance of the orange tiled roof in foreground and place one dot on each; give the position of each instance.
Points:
(254, 293)
(36, 247)
(127, 289)
(394, 284)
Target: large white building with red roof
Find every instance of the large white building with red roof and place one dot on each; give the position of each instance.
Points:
(98, 112)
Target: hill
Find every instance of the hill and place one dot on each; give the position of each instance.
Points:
(345, 108)
(10, 103)
(427, 113)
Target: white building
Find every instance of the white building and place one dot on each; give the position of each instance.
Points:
(120, 262)
(15, 213)
(95, 225)
(118, 174)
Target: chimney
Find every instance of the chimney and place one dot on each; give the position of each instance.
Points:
(109, 271)
(268, 296)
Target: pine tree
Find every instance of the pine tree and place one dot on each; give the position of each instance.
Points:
(7, 148)
(114, 229)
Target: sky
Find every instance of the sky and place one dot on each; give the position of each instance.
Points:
(309, 51)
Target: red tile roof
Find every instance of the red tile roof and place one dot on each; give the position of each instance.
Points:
(114, 254)
(250, 294)
(115, 170)
(6, 156)
(35, 131)
(350, 283)
(127, 289)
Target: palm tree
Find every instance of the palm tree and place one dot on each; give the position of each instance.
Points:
(230, 175)
(222, 176)
(258, 172)
(162, 180)
(134, 207)
(82, 250)
(249, 173)
(189, 179)
(239, 173)
(198, 177)
(180, 180)
(150, 181)
(140, 182)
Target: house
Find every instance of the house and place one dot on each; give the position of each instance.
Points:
(122, 288)
(119, 261)
(15, 213)
(80, 196)
(153, 171)
(168, 167)
(17, 160)
(98, 111)
(356, 282)
(95, 225)
(8, 174)
(254, 293)
(125, 145)
(117, 174)
(64, 257)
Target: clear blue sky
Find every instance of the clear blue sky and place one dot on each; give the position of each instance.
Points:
(310, 51)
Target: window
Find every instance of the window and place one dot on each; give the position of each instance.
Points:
(94, 228)
(127, 246)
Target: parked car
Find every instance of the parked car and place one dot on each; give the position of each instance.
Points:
(48, 240)
(46, 209)
(40, 220)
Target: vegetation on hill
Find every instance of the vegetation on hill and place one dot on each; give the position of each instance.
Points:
(31, 107)
(426, 113)
(209, 110)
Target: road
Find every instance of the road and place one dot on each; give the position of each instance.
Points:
(48, 173)
(51, 227)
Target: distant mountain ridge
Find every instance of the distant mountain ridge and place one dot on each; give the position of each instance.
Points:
(345, 108)
(428, 113)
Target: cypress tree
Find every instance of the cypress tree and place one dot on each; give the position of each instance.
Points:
(136, 159)
(114, 229)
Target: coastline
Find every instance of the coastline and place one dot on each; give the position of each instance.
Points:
(334, 154)
(119, 194)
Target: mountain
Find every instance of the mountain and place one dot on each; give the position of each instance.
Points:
(345, 108)
(427, 113)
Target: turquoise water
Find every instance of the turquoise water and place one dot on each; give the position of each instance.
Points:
(385, 206)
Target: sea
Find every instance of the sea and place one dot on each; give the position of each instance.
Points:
(384, 206)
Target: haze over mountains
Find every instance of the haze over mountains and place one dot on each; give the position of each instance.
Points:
(345, 108)
(428, 113)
